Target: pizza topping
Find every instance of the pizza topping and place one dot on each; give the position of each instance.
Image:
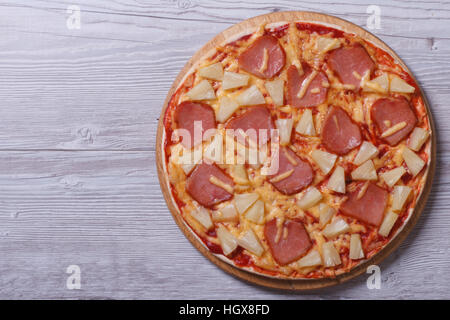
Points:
(264, 58)
(227, 213)
(203, 217)
(217, 182)
(312, 259)
(276, 91)
(249, 241)
(213, 71)
(310, 198)
(388, 223)
(337, 180)
(189, 114)
(301, 176)
(335, 228)
(208, 194)
(366, 171)
(369, 208)
(324, 44)
(233, 80)
(289, 248)
(331, 256)
(347, 60)
(227, 107)
(284, 127)
(389, 132)
(325, 214)
(339, 133)
(400, 196)
(256, 212)
(227, 241)
(239, 174)
(398, 112)
(413, 161)
(356, 250)
(418, 137)
(379, 84)
(202, 91)
(298, 94)
(399, 85)
(244, 201)
(324, 160)
(306, 124)
(251, 96)
(392, 176)
(282, 176)
(255, 118)
(367, 151)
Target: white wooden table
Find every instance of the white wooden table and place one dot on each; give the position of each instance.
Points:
(78, 114)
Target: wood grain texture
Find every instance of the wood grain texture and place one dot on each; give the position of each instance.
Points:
(79, 114)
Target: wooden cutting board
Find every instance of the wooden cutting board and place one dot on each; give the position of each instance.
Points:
(233, 33)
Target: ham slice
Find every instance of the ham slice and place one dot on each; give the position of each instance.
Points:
(189, 112)
(388, 112)
(264, 58)
(346, 61)
(254, 118)
(301, 176)
(315, 91)
(339, 133)
(287, 242)
(367, 207)
(200, 188)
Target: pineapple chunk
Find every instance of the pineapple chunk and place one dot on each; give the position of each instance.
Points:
(367, 151)
(366, 171)
(312, 259)
(202, 91)
(418, 138)
(213, 71)
(399, 197)
(256, 212)
(337, 180)
(233, 80)
(227, 107)
(324, 44)
(276, 91)
(400, 85)
(227, 241)
(202, 216)
(251, 96)
(335, 228)
(392, 176)
(388, 223)
(330, 255)
(243, 201)
(325, 214)
(306, 124)
(413, 161)
(239, 174)
(310, 198)
(249, 241)
(227, 213)
(284, 127)
(379, 84)
(356, 250)
(324, 160)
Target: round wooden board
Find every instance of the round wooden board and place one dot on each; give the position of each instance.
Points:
(228, 35)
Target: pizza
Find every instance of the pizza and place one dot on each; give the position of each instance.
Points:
(296, 151)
